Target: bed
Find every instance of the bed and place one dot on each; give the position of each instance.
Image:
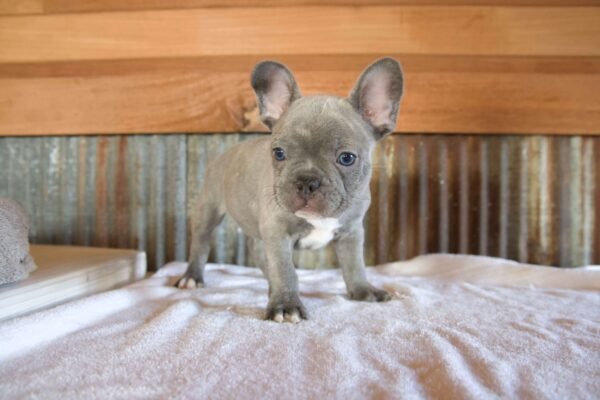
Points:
(458, 327)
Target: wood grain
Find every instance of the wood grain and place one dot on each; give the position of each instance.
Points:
(68, 6)
(354, 63)
(443, 95)
(18, 7)
(460, 30)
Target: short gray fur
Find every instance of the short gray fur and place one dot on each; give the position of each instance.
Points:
(308, 180)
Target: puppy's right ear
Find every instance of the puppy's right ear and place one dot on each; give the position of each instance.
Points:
(275, 89)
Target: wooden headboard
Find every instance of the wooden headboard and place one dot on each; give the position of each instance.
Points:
(73, 67)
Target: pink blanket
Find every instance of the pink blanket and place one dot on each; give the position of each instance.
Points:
(459, 327)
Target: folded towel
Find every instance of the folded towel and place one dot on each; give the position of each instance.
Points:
(15, 261)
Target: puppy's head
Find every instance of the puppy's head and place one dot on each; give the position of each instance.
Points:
(321, 145)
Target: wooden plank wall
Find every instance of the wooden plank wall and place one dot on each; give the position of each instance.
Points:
(80, 67)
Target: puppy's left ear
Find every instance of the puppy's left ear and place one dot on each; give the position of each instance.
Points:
(275, 89)
(376, 95)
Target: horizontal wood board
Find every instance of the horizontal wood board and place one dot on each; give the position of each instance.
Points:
(107, 67)
(447, 30)
(20, 7)
(442, 95)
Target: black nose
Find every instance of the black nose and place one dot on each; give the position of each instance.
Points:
(307, 185)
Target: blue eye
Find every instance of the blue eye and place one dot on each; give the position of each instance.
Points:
(279, 154)
(346, 159)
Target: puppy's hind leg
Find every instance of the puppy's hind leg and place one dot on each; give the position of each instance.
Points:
(208, 217)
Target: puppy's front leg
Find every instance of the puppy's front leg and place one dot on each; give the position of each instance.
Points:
(349, 251)
(284, 299)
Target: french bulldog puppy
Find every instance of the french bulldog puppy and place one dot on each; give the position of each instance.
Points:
(303, 186)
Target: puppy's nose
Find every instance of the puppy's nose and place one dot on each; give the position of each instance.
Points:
(307, 185)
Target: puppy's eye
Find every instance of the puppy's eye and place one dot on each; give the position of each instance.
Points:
(346, 159)
(279, 154)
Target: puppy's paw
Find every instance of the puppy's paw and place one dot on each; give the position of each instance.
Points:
(285, 309)
(369, 293)
(187, 282)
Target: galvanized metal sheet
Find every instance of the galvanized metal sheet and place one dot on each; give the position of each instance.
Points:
(528, 198)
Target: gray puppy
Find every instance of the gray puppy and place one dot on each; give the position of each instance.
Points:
(304, 185)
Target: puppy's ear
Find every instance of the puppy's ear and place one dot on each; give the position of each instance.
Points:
(275, 89)
(377, 93)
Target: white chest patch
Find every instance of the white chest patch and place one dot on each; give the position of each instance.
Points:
(322, 233)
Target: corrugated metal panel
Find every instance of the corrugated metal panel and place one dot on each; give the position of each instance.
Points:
(528, 198)
(115, 191)
(532, 199)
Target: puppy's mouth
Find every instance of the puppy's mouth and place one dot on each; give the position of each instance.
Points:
(309, 210)
(313, 207)
(321, 204)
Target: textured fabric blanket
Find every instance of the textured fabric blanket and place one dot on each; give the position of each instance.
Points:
(459, 327)
(15, 261)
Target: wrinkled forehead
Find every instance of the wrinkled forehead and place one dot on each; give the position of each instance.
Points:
(329, 118)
